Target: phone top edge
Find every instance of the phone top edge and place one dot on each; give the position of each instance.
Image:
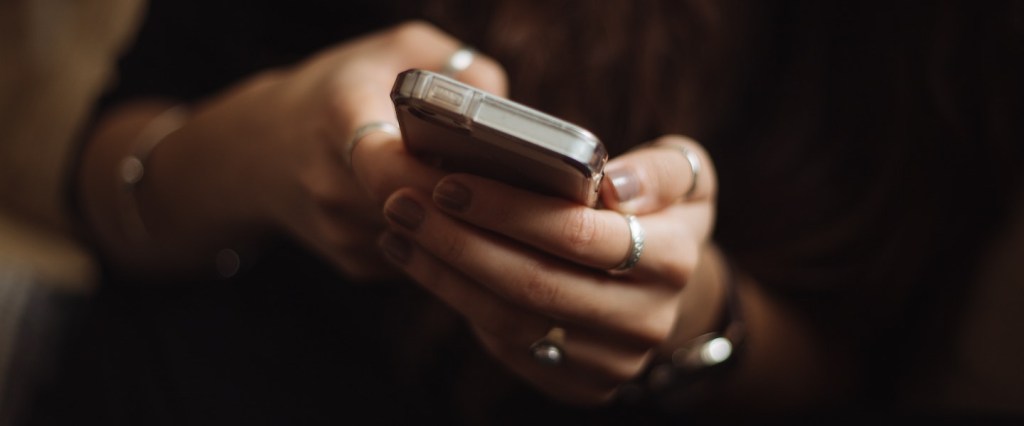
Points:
(469, 107)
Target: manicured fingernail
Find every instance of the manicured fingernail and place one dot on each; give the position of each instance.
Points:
(406, 212)
(396, 248)
(452, 196)
(624, 182)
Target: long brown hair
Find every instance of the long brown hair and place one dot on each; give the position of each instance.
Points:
(615, 68)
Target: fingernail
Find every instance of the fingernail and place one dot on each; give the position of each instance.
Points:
(396, 248)
(624, 182)
(406, 212)
(452, 196)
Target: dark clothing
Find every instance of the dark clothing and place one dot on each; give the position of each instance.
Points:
(865, 160)
(287, 341)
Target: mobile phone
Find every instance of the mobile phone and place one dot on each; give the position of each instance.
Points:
(466, 129)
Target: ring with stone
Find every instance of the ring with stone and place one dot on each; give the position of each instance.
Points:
(548, 349)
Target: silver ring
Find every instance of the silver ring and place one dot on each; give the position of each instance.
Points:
(548, 350)
(459, 61)
(694, 161)
(695, 167)
(366, 129)
(637, 238)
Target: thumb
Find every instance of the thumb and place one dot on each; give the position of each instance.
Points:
(672, 168)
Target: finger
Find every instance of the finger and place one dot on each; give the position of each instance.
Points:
(595, 364)
(673, 237)
(474, 302)
(415, 44)
(485, 74)
(336, 198)
(566, 382)
(418, 44)
(410, 45)
(382, 165)
(597, 238)
(671, 169)
(591, 353)
(534, 280)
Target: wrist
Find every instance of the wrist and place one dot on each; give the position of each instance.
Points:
(196, 217)
(711, 351)
(137, 209)
(131, 170)
(702, 303)
(709, 336)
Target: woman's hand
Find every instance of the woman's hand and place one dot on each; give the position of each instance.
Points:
(270, 155)
(331, 205)
(517, 264)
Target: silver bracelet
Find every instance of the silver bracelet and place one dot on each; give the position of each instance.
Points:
(678, 379)
(132, 168)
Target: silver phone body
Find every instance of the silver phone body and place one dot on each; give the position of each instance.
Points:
(469, 130)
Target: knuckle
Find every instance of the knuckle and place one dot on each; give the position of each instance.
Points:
(454, 248)
(677, 275)
(537, 288)
(490, 74)
(337, 106)
(581, 230)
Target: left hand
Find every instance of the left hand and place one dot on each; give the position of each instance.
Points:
(515, 264)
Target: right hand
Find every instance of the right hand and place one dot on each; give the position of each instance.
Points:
(518, 264)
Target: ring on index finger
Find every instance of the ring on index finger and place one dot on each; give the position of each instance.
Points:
(637, 239)
(458, 61)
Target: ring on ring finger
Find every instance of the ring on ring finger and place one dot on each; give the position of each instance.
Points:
(695, 166)
(548, 349)
(362, 132)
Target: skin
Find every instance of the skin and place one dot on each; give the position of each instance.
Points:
(264, 158)
(516, 263)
